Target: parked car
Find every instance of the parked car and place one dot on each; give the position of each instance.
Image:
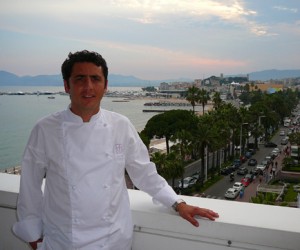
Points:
(246, 181)
(188, 182)
(231, 193)
(264, 162)
(252, 162)
(237, 162)
(196, 175)
(268, 158)
(270, 144)
(242, 171)
(238, 186)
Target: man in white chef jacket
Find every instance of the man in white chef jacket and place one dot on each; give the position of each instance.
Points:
(83, 152)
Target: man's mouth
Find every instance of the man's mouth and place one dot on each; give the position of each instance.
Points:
(88, 96)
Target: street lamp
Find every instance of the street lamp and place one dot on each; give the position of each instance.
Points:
(262, 116)
(259, 121)
(241, 136)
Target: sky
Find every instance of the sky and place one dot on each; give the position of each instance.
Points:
(152, 39)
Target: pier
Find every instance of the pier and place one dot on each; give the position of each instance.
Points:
(154, 110)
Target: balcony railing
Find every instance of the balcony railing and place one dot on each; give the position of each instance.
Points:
(240, 226)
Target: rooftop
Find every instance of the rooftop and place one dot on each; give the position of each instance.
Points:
(241, 225)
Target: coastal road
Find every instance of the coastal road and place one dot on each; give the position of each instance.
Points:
(218, 190)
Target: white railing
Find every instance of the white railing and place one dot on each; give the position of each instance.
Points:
(240, 226)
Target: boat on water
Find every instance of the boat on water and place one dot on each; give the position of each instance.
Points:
(120, 100)
(51, 97)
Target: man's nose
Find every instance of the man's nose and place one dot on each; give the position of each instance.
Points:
(89, 83)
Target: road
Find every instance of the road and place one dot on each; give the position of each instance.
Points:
(218, 190)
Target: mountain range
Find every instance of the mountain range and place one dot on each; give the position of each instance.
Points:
(10, 79)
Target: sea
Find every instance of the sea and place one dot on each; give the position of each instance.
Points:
(19, 113)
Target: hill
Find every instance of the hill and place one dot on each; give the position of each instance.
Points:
(10, 79)
(266, 75)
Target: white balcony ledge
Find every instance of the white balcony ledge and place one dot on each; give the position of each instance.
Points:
(240, 226)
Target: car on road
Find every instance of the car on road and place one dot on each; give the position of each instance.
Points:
(226, 170)
(252, 162)
(268, 158)
(248, 154)
(254, 171)
(250, 176)
(187, 182)
(242, 171)
(238, 186)
(274, 153)
(231, 193)
(261, 167)
(265, 163)
(282, 133)
(277, 149)
(284, 141)
(243, 158)
(246, 181)
(270, 144)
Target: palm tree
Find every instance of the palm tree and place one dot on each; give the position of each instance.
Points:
(160, 160)
(174, 167)
(217, 101)
(204, 136)
(203, 98)
(192, 96)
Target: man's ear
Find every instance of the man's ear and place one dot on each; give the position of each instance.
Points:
(67, 86)
(105, 86)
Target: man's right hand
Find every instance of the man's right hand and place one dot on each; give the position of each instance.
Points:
(34, 244)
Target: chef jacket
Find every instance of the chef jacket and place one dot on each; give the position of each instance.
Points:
(85, 203)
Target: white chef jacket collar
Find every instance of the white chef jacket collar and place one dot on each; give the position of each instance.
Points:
(71, 117)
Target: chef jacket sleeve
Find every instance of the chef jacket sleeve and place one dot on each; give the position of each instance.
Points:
(143, 172)
(30, 199)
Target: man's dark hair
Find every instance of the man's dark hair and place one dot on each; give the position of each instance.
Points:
(83, 56)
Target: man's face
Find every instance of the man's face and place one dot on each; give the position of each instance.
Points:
(86, 87)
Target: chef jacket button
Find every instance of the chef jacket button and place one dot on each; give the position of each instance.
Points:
(105, 186)
(73, 187)
(104, 125)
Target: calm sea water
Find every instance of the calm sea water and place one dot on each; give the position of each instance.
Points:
(19, 113)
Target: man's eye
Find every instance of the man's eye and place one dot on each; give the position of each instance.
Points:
(96, 78)
(79, 78)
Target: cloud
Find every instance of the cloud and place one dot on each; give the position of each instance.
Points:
(153, 37)
(163, 12)
(282, 8)
(232, 12)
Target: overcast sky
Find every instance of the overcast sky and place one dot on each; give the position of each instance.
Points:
(152, 39)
